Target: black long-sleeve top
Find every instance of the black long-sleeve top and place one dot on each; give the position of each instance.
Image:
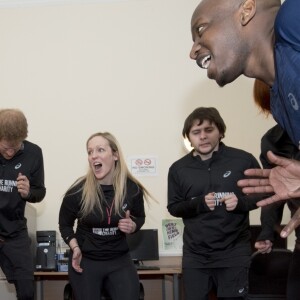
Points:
(217, 238)
(98, 236)
(28, 161)
(278, 141)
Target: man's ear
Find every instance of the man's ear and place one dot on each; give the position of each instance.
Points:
(248, 10)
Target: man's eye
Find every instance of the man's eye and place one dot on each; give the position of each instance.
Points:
(200, 30)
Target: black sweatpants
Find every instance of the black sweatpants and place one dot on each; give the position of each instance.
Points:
(16, 263)
(119, 276)
(229, 283)
(293, 283)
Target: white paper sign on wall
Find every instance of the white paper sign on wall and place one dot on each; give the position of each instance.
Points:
(143, 165)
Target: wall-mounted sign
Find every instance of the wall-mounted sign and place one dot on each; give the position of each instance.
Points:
(143, 165)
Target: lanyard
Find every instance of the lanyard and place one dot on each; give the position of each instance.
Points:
(109, 211)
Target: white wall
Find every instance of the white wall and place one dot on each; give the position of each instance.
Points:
(122, 67)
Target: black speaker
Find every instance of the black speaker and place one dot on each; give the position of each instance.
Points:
(46, 251)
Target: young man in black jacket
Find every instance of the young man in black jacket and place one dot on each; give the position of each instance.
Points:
(21, 181)
(203, 191)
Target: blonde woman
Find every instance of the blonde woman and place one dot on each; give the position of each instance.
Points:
(107, 203)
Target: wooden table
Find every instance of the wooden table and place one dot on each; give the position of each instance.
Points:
(164, 271)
